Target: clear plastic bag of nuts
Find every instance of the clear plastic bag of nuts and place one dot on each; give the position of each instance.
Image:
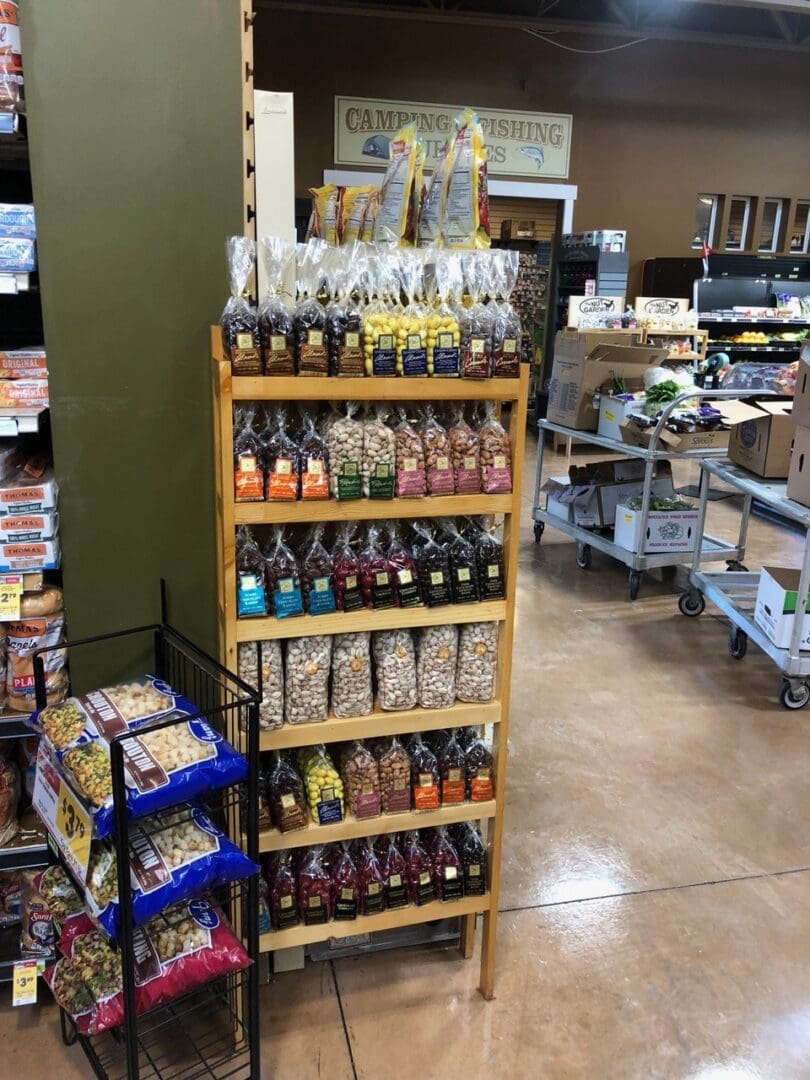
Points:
(361, 780)
(351, 675)
(465, 454)
(395, 777)
(379, 455)
(436, 658)
(477, 662)
(259, 665)
(436, 442)
(395, 667)
(496, 454)
(306, 689)
(411, 480)
(344, 443)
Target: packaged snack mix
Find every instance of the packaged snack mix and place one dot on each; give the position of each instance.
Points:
(354, 202)
(239, 320)
(465, 222)
(379, 455)
(395, 777)
(251, 598)
(285, 792)
(314, 890)
(317, 575)
(425, 781)
(344, 318)
(391, 224)
(452, 765)
(418, 870)
(412, 331)
(479, 771)
(283, 578)
(432, 209)
(346, 569)
(361, 774)
(395, 668)
(448, 873)
(248, 477)
(370, 880)
(507, 331)
(306, 690)
(314, 461)
(260, 666)
(404, 570)
(465, 454)
(437, 655)
(444, 332)
(276, 329)
(324, 786)
(433, 565)
(375, 573)
(462, 564)
(345, 886)
(283, 893)
(351, 678)
(411, 479)
(380, 315)
(496, 454)
(476, 321)
(344, 441)
(392, 864)
(309, 317)
(436, 443)
(488, 560)
(282, 462)
(325, 207)
(367, 233)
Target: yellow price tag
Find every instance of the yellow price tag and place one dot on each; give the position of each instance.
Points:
(74, 826)
(24, 984)
(10, 592)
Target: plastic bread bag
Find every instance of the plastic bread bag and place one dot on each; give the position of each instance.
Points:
(344, 441)
(395, 668)
(239, 321)
(325, 206)
(285, 796)
(436, 659)
(251, 576)
(489, 560)
(411, 479)
(173, 856)
(436, 443)
(309, 317)
(344, 317)
(403, 568)
(353, 204)
(314, 461)
(375, 574)
(317, 574)
(496, 454)
(418, 870)
(172, 764)
(462, 564)
(507, 331)
(346, 569)
(306, 691)
(314, 890)
(380, 317)
(283, 577)
(248, 478)
(476, 321)
(10, 790)
(276, 329)
(396, 194)
(282, 462)
(465, 454)
(429, 226)
(379, 455)
(413, 321)
(465, 222)
(444, 332)
(477, 662)
(23, 638)
(448, 872)
(259, 665)
(433, 565)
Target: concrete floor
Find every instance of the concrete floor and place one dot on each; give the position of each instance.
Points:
(656, 879)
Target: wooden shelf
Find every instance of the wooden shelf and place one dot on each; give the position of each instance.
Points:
(351, 622)
(370, 924)
(325, 388)
(379, 723)
(351, 828)
(275, 513)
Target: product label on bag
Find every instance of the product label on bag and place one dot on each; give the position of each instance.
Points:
(410, 478)
(438, 589)
(290, 814)
(492, 584)
(248, 480)
(468, 477)
(315, 912)
(245, 356)
(314, 479)
(476, 359)
(287, 914)
(464, 590)
(384, 356)
(474, 880)
(506, 362)
(398, 799)
(445, 356)
(497, 476)
(414, 356)
(312, 357)
(328, 807)
(368, 802)
(287, 598)
(397, 893)
(373, 899)
(453, 788)
(441, 480)
(250, 598)
(481, 786)
(279, 359)
(351, 359)
(381, 481)
(282, 483)
(345, 905)
(452, 888)
(381, 590)
(321, 596)
(425, 793)
(349, 484)
(424, 889)
(408, 589)
(352, 595)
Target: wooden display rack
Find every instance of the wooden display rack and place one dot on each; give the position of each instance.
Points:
(229, 389)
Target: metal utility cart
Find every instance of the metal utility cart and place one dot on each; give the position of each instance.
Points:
(735, 593)
(707, 548)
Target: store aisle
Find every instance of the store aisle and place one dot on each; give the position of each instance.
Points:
(655, 896)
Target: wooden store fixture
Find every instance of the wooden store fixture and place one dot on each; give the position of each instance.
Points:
(228, 390)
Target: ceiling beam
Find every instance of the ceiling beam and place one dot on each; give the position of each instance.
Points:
(798, 7)
(541, 25)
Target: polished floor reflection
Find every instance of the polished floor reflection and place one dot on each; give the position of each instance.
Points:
(656, 879)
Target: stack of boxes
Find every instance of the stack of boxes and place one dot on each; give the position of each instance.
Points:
(29, 521)
(17, 238)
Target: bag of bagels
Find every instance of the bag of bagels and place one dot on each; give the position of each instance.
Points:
(41, 624)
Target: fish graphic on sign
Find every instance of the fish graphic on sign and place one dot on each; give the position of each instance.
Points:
(377, 146)
(535, 154)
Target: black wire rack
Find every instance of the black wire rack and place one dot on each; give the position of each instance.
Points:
(212, 1032)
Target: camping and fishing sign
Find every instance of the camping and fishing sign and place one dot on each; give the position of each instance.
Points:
(537, 145)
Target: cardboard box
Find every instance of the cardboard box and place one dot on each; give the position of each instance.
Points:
(733, 411)
(798, 485)
(585, 361)
(23, 364)
(613, 411)
(762, 445)
(17, 255)
(17, 219)
(607, 306)
(801, 396)
(596, 490)
(37, 555)
(557, 502)
(512, 229)
(23, 393)
(650, 308)
(775, 609)
(667, 530)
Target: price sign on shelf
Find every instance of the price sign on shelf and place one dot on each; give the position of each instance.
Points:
(10, 592)
(24, 982)
(65, 818)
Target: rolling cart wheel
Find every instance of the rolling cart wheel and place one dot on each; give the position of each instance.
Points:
(583, 555)
(635, 583)
(738, 643)
(794, 699)
(737, 567)
(691, 604)
(539, 529)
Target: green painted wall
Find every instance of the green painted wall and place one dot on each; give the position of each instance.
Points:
(135, 127)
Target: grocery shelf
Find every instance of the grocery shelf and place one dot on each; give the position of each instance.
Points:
(371, 924)
(273, 513)
(14, 281)
(728, 346)
(13, 726)
(352, 622)
(375, 388)
(378, 724)
(10, 952)
(352, 828)
(747, 319)
(24, 857)
(21, 421)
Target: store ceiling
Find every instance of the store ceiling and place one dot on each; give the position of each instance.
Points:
(769, 24)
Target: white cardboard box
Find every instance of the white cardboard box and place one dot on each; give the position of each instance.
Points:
(667, 530)
(556, 503)
(775, 609)
(613, 412)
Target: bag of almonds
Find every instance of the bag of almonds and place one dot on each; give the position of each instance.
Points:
(436, 442)
(351, 675)
(395, 667)
(411, 480)
(395, 777)
(496, 454)
(465, 454)
(361, 781)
